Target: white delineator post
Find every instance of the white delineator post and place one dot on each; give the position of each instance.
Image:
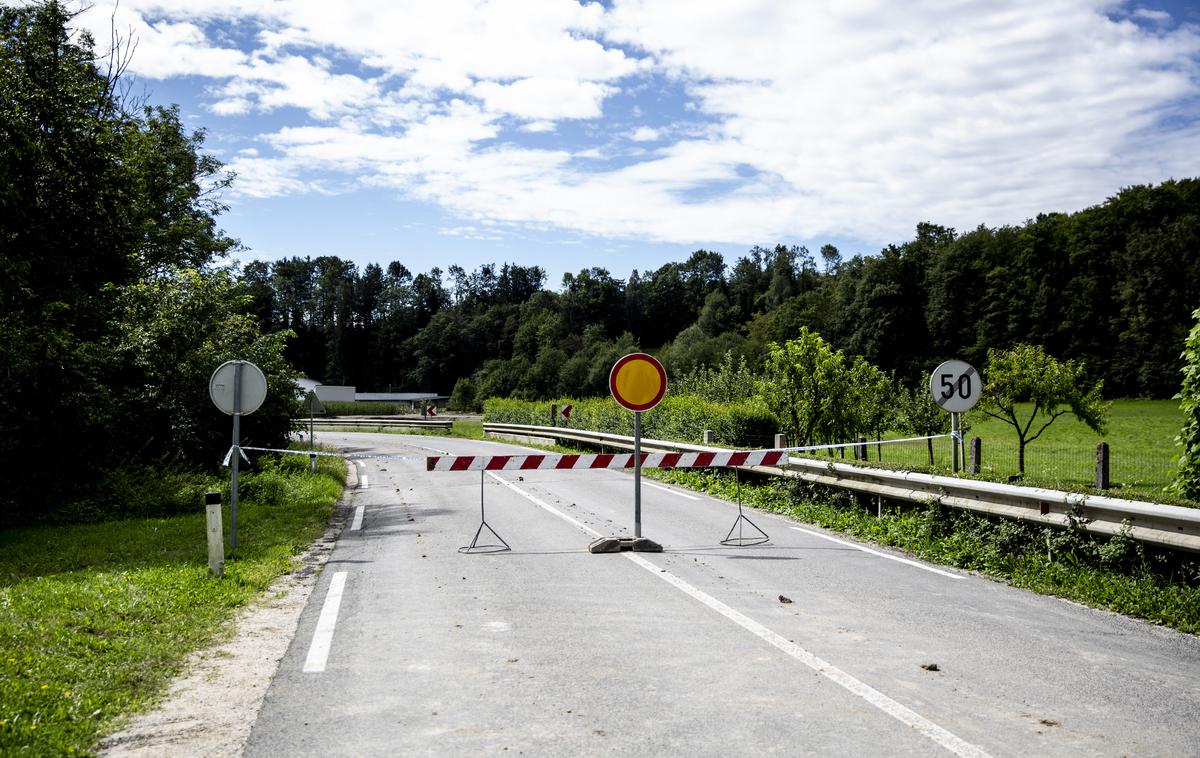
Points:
(216, 534)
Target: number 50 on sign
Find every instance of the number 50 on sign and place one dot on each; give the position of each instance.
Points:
(955, 386)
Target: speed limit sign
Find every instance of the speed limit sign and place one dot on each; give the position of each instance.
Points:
(955, 386)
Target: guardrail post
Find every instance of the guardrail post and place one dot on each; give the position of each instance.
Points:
(976, 456)
(216, 533)
(1102, 480)
(780, 441)
(860, 450)
(710, 437)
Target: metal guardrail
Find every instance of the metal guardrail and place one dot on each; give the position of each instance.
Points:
(1165, 525)
(377, 423)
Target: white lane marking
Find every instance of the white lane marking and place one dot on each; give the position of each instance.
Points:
(358, 514)
(318, 649)
(546, 506)
(880, 554)
(941, 736)
(668, 489)
(431, 449)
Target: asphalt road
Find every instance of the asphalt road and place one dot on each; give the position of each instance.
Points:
(409, 647)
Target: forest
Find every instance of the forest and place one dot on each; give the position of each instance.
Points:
(1113, 286)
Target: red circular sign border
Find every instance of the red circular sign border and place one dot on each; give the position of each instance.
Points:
(612, 384)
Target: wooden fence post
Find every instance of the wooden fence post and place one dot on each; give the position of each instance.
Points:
(1102, 480)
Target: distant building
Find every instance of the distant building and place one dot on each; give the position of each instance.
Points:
(347, 394)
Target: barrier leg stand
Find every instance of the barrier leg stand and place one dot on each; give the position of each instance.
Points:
(757, 537)
(475, 547)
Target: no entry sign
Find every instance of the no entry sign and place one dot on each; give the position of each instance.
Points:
(638, 382)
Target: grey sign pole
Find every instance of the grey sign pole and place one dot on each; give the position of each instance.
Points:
(955, 433)
(237, 453)
(637, 474)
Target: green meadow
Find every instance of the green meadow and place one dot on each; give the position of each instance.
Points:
(1140, 435)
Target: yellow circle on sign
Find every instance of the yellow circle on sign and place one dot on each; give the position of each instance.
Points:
(638, 382)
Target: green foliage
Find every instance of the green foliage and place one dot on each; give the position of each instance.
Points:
(808, 387)
(1187, 481)
(96, 619)
(464, 397)
(875, 398)
(728, 382)
(917, 414)
(111, 322)
(1026, 374)
(680, 418)
(172, 333)
(1116, 573)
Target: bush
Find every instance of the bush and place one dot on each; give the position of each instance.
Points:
(1187, 481)
(679, 418)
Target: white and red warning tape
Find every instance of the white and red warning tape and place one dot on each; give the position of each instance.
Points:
(560, 462)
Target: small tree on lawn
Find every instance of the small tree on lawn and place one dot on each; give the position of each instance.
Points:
(1187, 481)
(807, 385)
(1026, 374)
(920, 415)
(875, 398)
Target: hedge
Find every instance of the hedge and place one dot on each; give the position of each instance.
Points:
(678, 418)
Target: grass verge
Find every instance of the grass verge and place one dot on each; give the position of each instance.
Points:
(1117, 574)
(97, 619)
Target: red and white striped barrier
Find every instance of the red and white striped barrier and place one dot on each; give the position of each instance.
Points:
(560, 462)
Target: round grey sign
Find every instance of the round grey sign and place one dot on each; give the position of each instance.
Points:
(955, 386)
(244, 375)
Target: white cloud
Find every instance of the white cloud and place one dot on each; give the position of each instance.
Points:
(544, 98)
(857, 118)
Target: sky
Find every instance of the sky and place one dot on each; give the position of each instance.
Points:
(627, 134)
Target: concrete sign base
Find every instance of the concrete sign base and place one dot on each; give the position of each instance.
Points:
(621, 544)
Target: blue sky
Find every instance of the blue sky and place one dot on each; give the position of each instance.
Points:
(628, 134)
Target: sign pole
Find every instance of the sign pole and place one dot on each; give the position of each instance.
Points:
(956, 387)
(637, 474)
(237, 442)
(638, 382)
(955, 433)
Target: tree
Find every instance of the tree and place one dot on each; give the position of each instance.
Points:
(1027, 375)
(807, 385)
(920, 415)
(1187, 481)
(95, 202)
(464, 397)
(874, 399)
